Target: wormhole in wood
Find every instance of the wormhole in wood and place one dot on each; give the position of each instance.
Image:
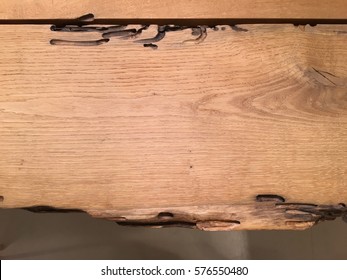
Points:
(1, 198)
(165, 215)
(269, 197)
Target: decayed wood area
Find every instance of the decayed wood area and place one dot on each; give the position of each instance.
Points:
(180, 9)
(246, 129)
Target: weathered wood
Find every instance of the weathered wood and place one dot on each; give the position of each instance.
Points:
(161, 9)
(224, 134)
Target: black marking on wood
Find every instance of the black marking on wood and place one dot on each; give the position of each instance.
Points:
(202, 35)
(196, 31)
(152, 46)
(87, 18)
(79, 28)
(139, 31)
(160, 35)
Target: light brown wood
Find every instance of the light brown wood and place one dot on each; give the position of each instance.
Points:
(195, 131)
(168, 9)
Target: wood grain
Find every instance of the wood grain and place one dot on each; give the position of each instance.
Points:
(178, 9)
(126, 132)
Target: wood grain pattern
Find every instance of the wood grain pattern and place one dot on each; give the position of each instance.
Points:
(126, 132)
(168, 9)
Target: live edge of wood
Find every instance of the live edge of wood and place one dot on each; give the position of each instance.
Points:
(246, 130)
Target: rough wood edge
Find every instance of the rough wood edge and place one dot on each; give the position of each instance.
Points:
(269, 213)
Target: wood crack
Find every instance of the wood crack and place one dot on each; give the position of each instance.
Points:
(324, 75)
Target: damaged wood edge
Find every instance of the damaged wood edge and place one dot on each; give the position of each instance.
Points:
(312, 212)
(305, 212)
(176, 218)
(216, 218)
(162, 219)
(267, 211)
(227, 217)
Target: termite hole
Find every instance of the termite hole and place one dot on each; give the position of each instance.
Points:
(165, 215)
(1, 198)
(269, 197)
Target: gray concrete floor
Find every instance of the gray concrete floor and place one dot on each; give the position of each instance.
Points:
(25, 235)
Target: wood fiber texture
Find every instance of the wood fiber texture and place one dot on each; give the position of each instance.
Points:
(187, 134)
(178, 9)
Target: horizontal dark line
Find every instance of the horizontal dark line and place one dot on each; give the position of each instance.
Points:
(189, 22)
(50, 209)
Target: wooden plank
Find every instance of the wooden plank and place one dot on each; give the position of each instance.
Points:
(178, 9)
(192, 131)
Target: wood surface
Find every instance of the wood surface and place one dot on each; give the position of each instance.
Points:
(187, 134)
(168, 9)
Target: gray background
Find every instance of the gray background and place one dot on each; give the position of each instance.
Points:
(26, 235)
